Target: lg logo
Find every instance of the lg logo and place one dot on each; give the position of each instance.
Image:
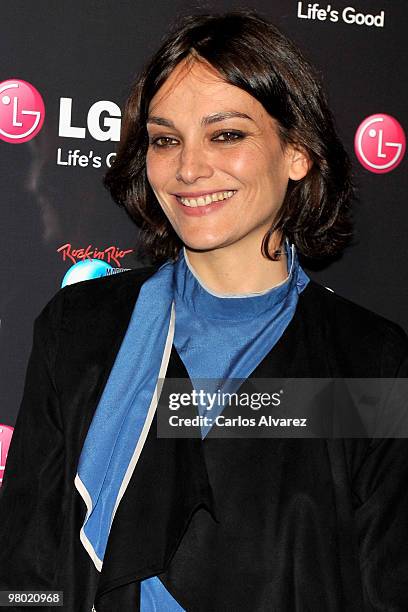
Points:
(108, 129)
(21, 111)
(6, 433)
(22, 114)
(379, 143)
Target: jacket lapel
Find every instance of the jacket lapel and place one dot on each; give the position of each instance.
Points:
(168, 485)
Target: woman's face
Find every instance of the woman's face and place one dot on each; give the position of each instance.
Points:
(215, 161)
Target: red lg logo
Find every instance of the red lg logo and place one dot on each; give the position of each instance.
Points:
(379, 143)
(21, 111)
(6, 433)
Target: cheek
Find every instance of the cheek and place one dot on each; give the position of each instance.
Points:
(250, 165)
(161, 170)
(156, 170)
(154, 177)
(240, 165)
(151, 169)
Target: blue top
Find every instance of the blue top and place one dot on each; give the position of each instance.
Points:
(223, 337)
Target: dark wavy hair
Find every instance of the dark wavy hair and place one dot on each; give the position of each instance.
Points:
(250, 53)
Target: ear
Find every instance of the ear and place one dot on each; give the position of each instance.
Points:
(299, 163)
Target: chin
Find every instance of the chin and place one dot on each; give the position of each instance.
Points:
(203, 244)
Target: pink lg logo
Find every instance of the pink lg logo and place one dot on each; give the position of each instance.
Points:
(6, 433)
(379, 143)
(21, 111)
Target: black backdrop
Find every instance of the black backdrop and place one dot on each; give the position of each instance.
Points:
(89, 51)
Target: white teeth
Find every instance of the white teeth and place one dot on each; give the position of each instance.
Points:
(204, 200)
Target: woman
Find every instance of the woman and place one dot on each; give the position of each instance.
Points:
(230, 165)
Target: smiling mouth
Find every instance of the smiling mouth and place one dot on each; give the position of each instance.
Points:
(207, 199)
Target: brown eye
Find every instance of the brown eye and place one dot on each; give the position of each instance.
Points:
(228, 136)
(162, 142)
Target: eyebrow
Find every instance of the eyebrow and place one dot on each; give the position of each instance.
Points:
(204, 121)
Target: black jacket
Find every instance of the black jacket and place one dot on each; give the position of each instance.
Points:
(334, 531)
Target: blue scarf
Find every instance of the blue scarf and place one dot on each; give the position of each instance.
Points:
(222, 338)
(128, 403)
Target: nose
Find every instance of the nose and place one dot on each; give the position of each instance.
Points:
(193, 164)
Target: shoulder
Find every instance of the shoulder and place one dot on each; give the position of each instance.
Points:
(95, 299)
(352, 328)
(109, 288)
(86, 320)
(340, 310)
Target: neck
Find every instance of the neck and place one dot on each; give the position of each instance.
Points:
(232, 270)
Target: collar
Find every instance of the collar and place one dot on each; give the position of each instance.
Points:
(192, 292)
